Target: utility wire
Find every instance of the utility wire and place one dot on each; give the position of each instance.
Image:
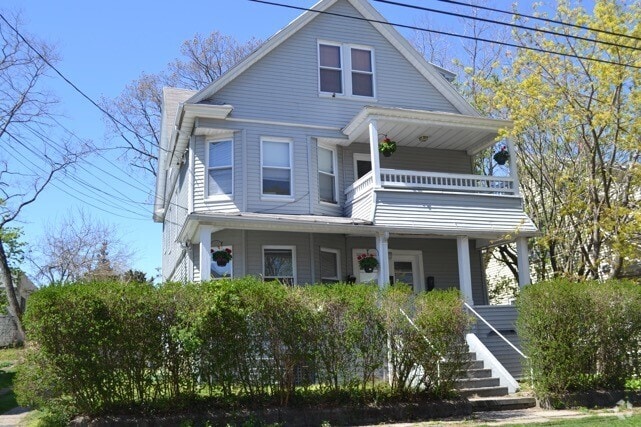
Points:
(414, 27)
(76, 88)
(509, 24)
(540, 18)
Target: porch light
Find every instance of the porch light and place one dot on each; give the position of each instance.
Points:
(423, 138)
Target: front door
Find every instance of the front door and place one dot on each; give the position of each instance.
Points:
(406, 267)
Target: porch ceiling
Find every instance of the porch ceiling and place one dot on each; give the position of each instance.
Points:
(445, 131)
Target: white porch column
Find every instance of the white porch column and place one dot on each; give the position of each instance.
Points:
(514, 170)
(464, 271)
(205, 253)
(523, 261)
(383, 259)
(373, 148)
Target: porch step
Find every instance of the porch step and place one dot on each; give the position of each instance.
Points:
(506, 403)
(479, 373)
(472, 383)
(483, 392)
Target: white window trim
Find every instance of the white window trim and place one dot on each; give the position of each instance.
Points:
(338, 264)
(217, 197)
(346, 70)
(360, 157)
(335, 175)
(289, 141)
(287, 247)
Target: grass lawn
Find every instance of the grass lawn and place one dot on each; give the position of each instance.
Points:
(8, 359)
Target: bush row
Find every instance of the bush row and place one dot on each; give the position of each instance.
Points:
(107, 346)
(581, 336)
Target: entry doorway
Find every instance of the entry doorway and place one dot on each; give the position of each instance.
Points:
(406, 267)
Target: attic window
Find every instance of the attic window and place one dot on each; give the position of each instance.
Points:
(345, 70)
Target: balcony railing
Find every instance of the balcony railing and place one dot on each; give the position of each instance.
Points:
(418, 180)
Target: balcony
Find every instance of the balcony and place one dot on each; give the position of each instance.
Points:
(439, 203)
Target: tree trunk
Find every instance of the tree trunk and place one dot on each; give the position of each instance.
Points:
(7, 281)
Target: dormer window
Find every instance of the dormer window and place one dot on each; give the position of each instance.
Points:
(345, 70)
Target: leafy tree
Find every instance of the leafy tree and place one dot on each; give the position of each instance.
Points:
(577, 127)
(138, 108)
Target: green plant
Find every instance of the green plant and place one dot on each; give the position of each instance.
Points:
(502, 156)
(367, 261)
(221, 255)
(387, 147)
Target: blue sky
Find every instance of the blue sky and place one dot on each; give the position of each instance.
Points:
(103, 46)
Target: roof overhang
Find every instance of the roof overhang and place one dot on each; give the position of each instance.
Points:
(427, 129)
(184, 127)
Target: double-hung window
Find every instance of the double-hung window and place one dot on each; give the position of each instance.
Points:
(279, 263)
(330, 265)
(220, 170)
(276, 161)
(346, 70)
(327, 175)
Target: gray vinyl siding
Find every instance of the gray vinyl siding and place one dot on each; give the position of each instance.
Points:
(283, 86)
(201, 204)
(464, 213)
(174, 219)
(503, 319)
(410, 158)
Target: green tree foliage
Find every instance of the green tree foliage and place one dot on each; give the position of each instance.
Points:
(577, 128)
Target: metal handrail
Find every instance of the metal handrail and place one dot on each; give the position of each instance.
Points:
(494, 330)
(441, 358)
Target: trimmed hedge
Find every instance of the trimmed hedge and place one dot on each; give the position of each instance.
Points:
(114, 347)
(581, 336)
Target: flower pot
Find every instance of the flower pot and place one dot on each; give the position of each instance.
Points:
(387, 153)
(368, 269)
(501, 157)
(221, 262)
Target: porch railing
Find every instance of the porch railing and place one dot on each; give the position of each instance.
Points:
(418, 180)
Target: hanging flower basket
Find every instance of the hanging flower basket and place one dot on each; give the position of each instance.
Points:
(367, 262)
(221, 256)
(501, 157)
(387, 147)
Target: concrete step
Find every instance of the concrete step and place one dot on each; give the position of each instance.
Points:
(477, 373)
(506, 403)
(483, 392)
(470, 383)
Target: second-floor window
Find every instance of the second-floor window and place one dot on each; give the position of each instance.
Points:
(327, 175)
(220, 168)
(276, 165)
(346, 70)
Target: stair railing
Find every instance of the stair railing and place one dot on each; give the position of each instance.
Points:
(469, 307)
(440, 357)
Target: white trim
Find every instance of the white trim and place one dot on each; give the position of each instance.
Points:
(284, 197)
(336, 252)
(346, 69)
(281, 247)
(224, 196)
(360, 157)
(288, 124)
(335, 174)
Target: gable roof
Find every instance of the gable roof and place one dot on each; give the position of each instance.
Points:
(427, 70)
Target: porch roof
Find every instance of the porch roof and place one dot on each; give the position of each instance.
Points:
(446, 131)
(333, 225)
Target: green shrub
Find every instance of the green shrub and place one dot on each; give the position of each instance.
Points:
(580, 335)
(110, 347)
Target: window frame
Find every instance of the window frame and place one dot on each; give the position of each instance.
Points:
(290, 142)
(334, 175)
(347, 70)
(336, 252)
(292, 248)
(221, 196)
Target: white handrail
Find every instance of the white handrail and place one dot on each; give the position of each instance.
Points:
(495, 331)
(441, 358)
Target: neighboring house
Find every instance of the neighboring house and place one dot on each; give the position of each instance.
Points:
(8, 328)
(278, 161)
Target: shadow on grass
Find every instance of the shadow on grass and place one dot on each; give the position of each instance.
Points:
(7, 397)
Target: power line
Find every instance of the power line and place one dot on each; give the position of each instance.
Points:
(76, 88)
(478, 39)
(509, 24)
(540, 18)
